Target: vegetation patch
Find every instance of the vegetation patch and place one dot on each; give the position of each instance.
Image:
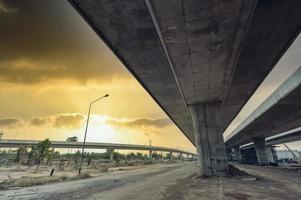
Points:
(32, 181)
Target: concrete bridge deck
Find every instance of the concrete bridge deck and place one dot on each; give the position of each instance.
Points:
(199, 60)
(280, 112)
(92, 145)
(281, 139)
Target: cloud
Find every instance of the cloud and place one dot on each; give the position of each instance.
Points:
(76, 120)
(70, 120)
(39, 121)
(10, 122)
(48, 40)
(140, 123)
(32, 72)
(4, 9)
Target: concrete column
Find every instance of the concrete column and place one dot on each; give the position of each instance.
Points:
(229, 154)
(237, 153)
(274, 152)
(150, 154)
(180, 156)
(111, 153)
(269, 153)
(212, 157)
(259, 144)
(170, 154)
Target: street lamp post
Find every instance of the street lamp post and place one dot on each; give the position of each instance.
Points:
(83, 149)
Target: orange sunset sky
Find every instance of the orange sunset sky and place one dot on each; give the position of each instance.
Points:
(52, 65)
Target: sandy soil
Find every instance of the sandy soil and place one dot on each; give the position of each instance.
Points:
(170, 182)
(13, 171)
(133, 184)
(264, 183)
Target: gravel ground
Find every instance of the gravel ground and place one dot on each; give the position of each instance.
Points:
(262, 184)
(170, 182)
(149, 182)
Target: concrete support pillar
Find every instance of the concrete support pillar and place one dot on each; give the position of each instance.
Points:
(180, 156)
(212, 157)
(150, 154)
(237, 153)
(229, 154)
(274, 153)
(170, 155)
(259, 144)
(110, 151)
(269, 153)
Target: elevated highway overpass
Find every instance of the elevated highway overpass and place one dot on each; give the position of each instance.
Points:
(281, 139)
(280, 112)
(246, 152)
(199, 60)
(93, 145)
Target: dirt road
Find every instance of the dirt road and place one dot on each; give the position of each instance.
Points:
(170, 182)
(149, 182)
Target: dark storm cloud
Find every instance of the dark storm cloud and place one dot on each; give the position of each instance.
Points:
(5, 9)
(15, 72)
(69, 120)
(39, 121)
(143, 122)
(10, 122)
(53, 41)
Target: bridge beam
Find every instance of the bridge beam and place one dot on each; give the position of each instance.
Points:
(212, 157)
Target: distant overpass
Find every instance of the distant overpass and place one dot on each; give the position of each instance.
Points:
(279, 113)
(93, 145)
(281, 139)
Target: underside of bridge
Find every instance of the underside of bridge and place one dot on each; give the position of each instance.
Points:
(282, 115)
(280, 112)
(200, 60)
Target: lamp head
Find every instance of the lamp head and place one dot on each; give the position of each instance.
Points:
(106, 95)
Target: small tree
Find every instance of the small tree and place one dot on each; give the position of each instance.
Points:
(89, 160)
(77, 157)
(32, 155)
(21, 152)
(131, 156)
(42, 151)
(50, 155)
